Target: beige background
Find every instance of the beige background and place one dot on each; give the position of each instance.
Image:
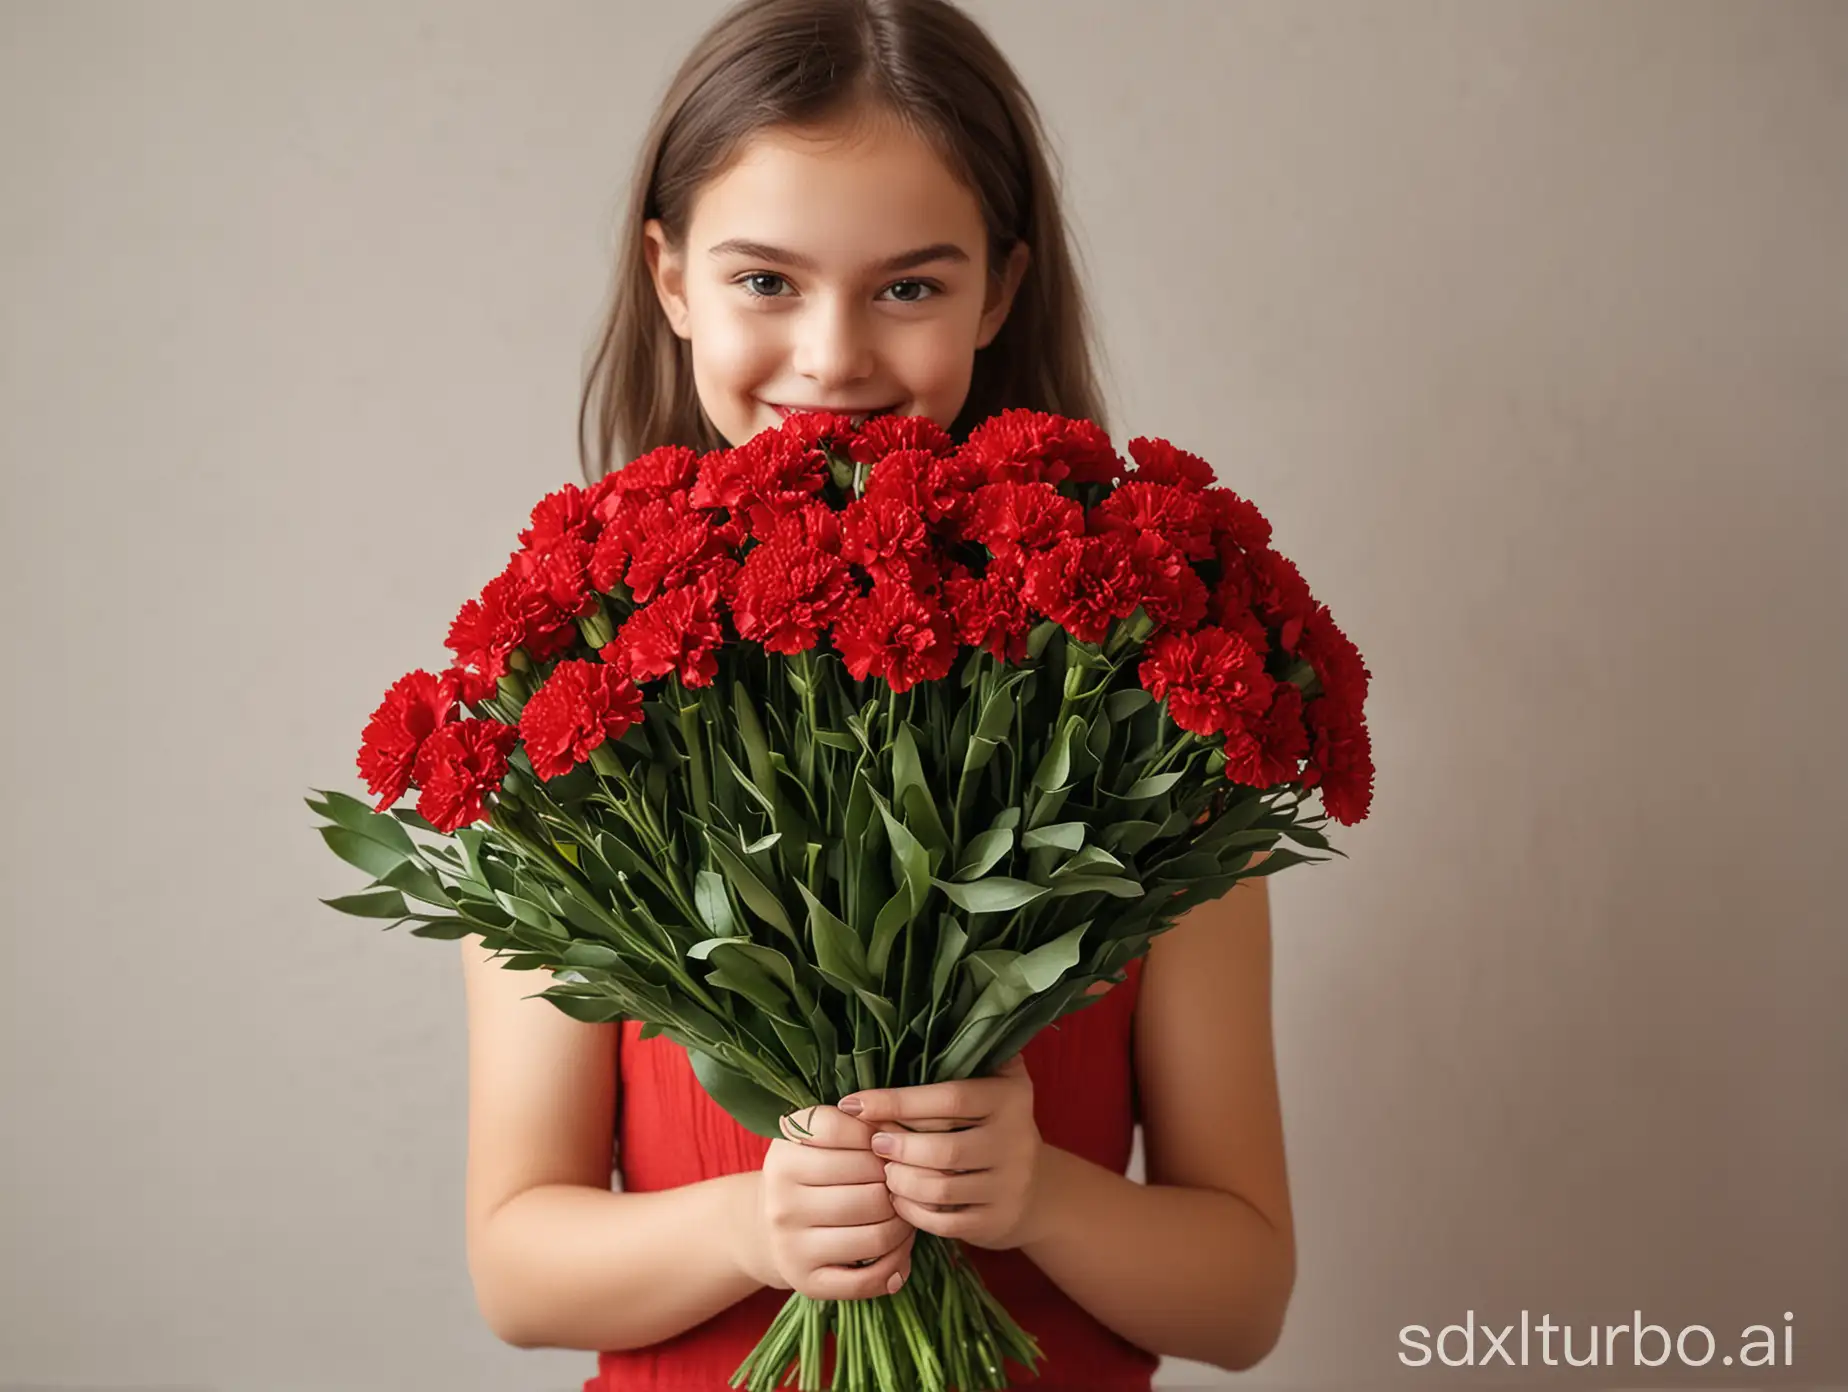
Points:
(1527, 325)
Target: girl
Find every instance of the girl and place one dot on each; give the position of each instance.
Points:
(847, 205)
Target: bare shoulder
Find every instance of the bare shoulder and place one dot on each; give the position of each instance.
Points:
(541, 1087)
(1205, 1061)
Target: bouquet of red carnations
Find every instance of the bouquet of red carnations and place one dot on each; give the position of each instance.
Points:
(852, 757)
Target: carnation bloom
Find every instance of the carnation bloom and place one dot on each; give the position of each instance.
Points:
(510, 613)
(458, 767)
(680, 632)
(668, 470)
(786, 594)
(1023, 516)
(1268, 749)
(896, 634)
(887, 538)
(567, 513)
(580, 705)
(417, 704)
(990, 612)
(1157, 461)
(1340, 760)
(1161, 508)
(762, 478)
(1022, 446)
(1083, 583)
(882, 435)
(1211, 679)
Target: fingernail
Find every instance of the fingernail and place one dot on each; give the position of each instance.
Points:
(851, 1105)
(893, 1285)
(884, 1144)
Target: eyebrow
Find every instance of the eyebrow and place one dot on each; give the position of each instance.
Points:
(904, 261)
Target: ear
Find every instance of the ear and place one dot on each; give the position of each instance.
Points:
(668, 269)
(1001, 293)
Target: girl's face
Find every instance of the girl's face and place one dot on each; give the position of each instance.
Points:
(833, 270)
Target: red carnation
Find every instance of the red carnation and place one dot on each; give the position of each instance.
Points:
(679, 632)
(656, 474)
(1173, 594)
(673, 543)
(417, 705)
(1268, 749)
(810, 431)
(1235, 519)
(762, 478)
(990, 612)
(1157, 461)
(1211, 679)
(1022, 516)
(580, 705)
(882, 435)
(472, 687)
(510, 613)
(1083, 583)
(787, 594)
(458, 767)
(566, 513)
(896, 634)
(887, 539)
(1340, 760)
(1162, 508)
(1344, 675)
(1021, 446)
(811, 524)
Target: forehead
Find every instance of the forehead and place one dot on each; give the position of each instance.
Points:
(846, 199)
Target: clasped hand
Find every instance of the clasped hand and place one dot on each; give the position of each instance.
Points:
(962, 1158)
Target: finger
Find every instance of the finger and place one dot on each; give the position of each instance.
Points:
(840, 1206)
(967, 1101)
(824, 1127)
(839, 1282)
(820, 1167)
(956, 1222)
(935, 1189)
(940, 1150)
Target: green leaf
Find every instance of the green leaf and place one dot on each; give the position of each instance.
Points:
(374, 857)
(360, 819)
(714, 904)
(1152, 786)
(589, 1010)
(382, 903)
(419, 883)
(757, 896)
(751, 731)
(984, 852)
(911, 863)
(1120, 705)
(839, 954)
(1056, 767)
(756, 1110)
(448, 929)
(996, 894)
(1129, 837)
(1087, 859)
(1067, 836)
(763, 843)
(951, 940)
(1087, 884)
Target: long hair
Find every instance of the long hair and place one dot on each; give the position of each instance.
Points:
(805, 64)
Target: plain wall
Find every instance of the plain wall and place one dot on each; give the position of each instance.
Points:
(1525, 323)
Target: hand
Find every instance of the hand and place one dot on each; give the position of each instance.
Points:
(976, 1184)
(825, 1225)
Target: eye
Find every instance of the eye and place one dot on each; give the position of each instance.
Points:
(929, 285)
(749, 282)
(745, 281)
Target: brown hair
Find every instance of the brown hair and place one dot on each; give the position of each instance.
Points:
(805, 64)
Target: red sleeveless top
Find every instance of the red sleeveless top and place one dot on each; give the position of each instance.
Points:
(1084, 1100)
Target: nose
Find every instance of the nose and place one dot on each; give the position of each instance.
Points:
(835, 346)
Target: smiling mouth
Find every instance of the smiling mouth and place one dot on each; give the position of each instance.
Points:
(857, 417)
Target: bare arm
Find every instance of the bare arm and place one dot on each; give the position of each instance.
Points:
(557, 1259)
(568, 1266)
(1200, 1262)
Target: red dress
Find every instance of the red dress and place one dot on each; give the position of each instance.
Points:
(671, 1133)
